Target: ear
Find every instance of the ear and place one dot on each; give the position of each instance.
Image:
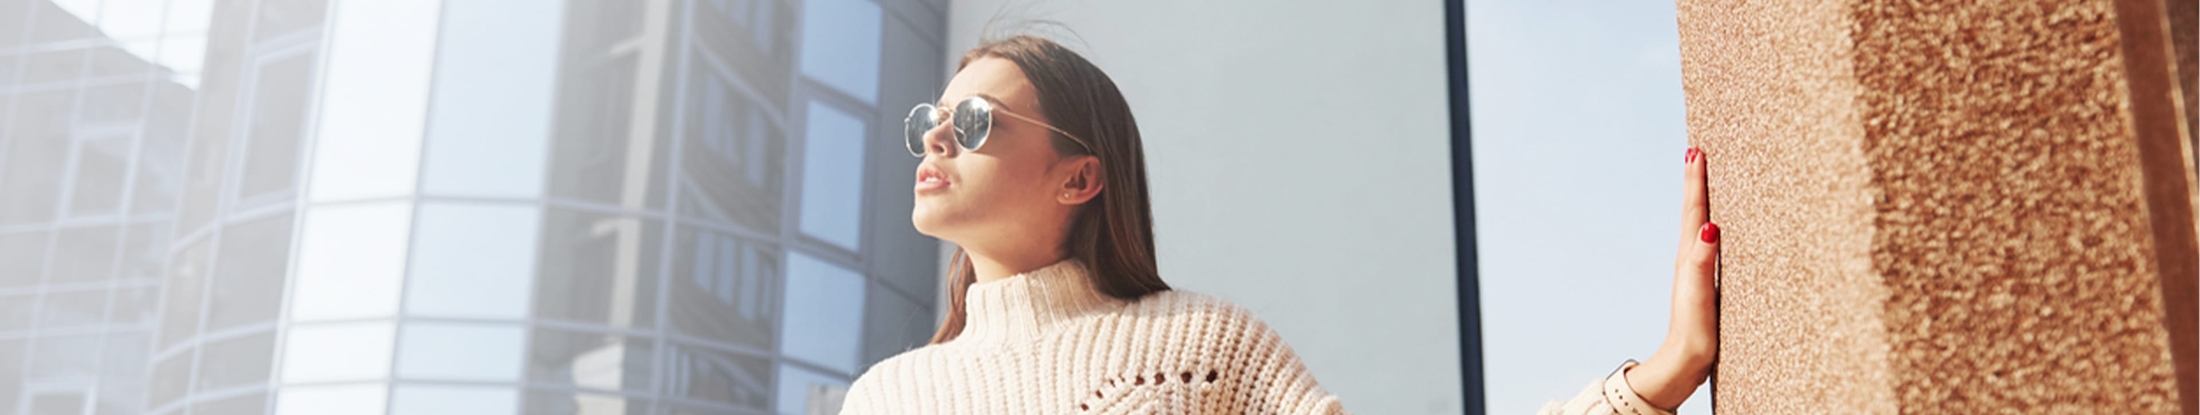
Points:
(1082, 181)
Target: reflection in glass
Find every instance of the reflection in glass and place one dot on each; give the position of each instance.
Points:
(366, 399)
(84, 254)
(236, 361)
(351, 262)
(558, 403)
(804, 391)
(248, 278)
(724, 286)
(840, 45)
(210, 205)
(495, 70)
(459, 351)
(375, 98)
(278, 119)
(473, 260)
(452, 400)
(824, 315)
(590, 360)
(22, 258)
(598, 268)
(721, 377)
(735, 174)
(71, 309)
(179, 316)
(338, 352)
(832, 176)
(243, 404)
(37, 147)
(102, 161)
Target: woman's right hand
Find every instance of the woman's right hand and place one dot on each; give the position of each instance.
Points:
(1691, 344)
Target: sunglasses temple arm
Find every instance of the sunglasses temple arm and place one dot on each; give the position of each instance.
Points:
(1072, 137)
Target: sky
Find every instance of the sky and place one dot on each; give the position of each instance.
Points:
(1579, 131)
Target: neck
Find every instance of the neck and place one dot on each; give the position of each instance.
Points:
(994, 265)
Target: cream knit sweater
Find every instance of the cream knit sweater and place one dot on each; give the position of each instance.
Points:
(1047, 342)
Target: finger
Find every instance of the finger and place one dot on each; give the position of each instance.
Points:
(1695, 198)
(1695, 297)
(1695, 289)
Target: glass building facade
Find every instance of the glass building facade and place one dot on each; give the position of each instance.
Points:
(458, 206)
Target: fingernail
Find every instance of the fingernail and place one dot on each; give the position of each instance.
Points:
(1710, 232)
(1690, 157)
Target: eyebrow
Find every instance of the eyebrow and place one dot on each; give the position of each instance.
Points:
(997, 102)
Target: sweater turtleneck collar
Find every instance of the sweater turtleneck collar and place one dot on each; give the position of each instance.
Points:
(1029, 304)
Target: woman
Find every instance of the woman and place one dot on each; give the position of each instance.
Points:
(1033, 165)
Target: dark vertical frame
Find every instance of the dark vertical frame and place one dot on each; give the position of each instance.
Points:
(1462, 207)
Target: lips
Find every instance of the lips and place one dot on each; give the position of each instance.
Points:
(930, 179)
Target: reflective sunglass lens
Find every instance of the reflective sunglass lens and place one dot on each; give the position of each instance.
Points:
(973, 122)
(920, 121)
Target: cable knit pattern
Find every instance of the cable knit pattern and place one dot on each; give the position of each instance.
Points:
(1047, 342)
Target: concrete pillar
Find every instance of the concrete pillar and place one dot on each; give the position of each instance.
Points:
(1973, 206)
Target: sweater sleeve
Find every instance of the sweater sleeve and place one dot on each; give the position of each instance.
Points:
(1283, 385)
(1608, 396)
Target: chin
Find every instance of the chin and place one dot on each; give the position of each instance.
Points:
(927, 220)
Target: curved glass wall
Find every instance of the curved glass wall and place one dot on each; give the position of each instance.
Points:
(457, 206)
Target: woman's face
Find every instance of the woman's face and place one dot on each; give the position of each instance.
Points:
(1012, 186)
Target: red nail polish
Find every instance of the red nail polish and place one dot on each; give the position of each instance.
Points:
(1710, 232)
(1691, 157)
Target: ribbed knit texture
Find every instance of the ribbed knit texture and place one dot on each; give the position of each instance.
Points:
(1047, 342)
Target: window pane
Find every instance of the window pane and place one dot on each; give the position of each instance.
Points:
(248, 279)
(102, 161)
(453, 400)
(179, 316)
(840, 45)
(804, 391)
(22, 258)
(11, 361)
(72, 309)
(725, 288)
(278, 119)
(338, 352)
(460, 351)
(332, 400)
(113, 102)
(556, 403)
(37, 147)
(169, 380)
(495, 77)
(57, 356)
(160, 166)
(236, 361)
(832, 176)
(735, 160)
(716, 376)
(280, 17)
(473, 260)
(83, 254)
(592, 157)
(16, 311)
(598, 268)
(376, 97)
(590, 360)
(824, 319)
(252, 404)
(351, 263)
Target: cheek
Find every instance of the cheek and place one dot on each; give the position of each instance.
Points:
(985, 194)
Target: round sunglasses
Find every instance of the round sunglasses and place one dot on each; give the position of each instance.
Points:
(972, 120)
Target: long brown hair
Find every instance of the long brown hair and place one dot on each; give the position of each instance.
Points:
(1111, 234)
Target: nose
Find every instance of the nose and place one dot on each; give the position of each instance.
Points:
(940, 140)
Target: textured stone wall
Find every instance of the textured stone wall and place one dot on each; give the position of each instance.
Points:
(1947, 207)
